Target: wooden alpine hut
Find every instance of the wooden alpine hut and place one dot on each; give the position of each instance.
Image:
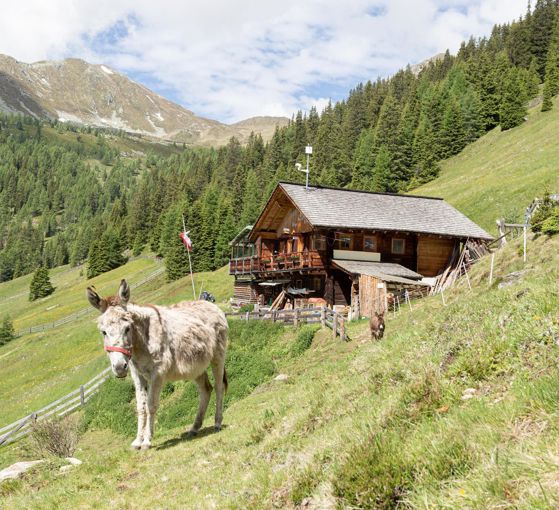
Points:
(350, 248)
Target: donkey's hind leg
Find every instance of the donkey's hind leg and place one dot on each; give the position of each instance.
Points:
(205, 391)
(218, 369)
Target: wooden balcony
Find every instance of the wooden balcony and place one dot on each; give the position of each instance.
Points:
(283, 262)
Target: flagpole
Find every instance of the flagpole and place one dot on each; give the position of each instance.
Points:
(189, 263)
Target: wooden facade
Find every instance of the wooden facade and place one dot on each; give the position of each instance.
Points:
(286, 252)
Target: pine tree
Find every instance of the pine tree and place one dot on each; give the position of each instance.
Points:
(532, 80)
(425, 167)
(547, 103)
(543, 22)
(453, 134)
(471, 113)
(172, 248)
(251, 199)
(362, 176)
(382, 177)
(40, 284)
(7, 332)
(513, 108)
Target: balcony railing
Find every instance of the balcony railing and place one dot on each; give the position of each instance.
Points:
(279, 262)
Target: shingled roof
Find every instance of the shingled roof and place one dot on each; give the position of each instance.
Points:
(341, 208)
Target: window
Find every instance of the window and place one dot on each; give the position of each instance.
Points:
(293, 245)
(319, 242)
(370, 243)
(398, 246)
(343, 241)
(317, 284)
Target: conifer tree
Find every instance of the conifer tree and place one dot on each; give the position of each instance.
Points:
(40, 284)
(362, 176)
(172, 248)
(453, 134)
(382, 176)
(547, 103)
(251, 199)
(471, 113)
(513, 108)
(225, 234)
(7, 332)
(532, 80)
(425, 167)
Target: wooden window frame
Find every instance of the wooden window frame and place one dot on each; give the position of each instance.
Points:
(394, 252)
(342, 235)
(375, 243)
(318, 242)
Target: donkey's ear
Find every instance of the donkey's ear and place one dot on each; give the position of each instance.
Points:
(95, 300)
(124, 292)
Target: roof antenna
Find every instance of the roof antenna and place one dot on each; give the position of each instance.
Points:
(298, 166)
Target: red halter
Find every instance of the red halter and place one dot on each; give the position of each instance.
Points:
(124, 351)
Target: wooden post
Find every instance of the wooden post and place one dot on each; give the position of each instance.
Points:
(82, 396)
(491, 270)
(335, 326)
(525, 229)
(442, 297)
(342, 329)
(323, 316)
(501, 227)
(296, 317)
(408, 300)
(274, 313)
(247, 316)
(467, 276)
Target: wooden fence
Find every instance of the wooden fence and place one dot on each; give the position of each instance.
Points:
(80, 313)
(61, 407)
(323, 316)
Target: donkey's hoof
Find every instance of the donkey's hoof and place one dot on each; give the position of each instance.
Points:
(135, 445)
(191, 433)
(146, 446)
(217, 427)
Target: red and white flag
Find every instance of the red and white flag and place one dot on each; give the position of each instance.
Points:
(186, 240)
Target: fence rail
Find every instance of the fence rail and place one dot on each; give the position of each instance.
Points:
(80, 313)
(61, 407)
(324, 316)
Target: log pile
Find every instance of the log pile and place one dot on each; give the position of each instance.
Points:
(470, 254)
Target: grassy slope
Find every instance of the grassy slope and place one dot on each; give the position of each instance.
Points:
(36, 369)
(369, 425)
(501, 173)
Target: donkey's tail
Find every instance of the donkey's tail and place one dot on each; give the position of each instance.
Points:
(225, 379)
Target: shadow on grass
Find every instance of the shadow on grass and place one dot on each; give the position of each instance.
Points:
(185, 436)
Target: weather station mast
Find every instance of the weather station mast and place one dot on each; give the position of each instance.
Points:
(308, 152)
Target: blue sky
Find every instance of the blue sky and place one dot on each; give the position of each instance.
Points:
(229, 60)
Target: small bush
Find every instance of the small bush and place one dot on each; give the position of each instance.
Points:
(550, 226)
(304, 339)
(248, 307)
(542, 213)
(56, 437)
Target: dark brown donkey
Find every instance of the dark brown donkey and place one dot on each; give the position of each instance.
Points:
(376, 325)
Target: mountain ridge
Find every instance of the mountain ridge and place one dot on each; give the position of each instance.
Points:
(73, 90)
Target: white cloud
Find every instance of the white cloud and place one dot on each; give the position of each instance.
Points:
(231, 60)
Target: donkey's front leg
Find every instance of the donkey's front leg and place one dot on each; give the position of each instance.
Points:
(154, 391)
(141, 386)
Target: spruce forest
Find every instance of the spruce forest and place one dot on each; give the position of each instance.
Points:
(64, 201)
